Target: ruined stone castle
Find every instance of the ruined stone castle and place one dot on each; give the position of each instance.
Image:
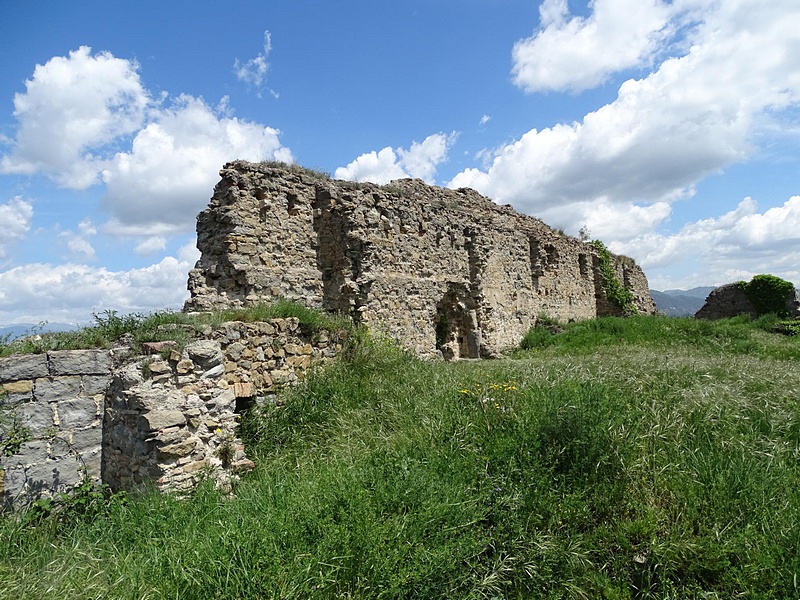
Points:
(442, 271)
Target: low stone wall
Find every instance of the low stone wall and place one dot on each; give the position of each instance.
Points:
(731, 300)
(166, 419)
(54, 402)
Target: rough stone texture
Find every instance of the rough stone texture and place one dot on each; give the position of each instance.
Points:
(57, 397)
(179, 423)
(442, 271)
(731, 300)
(129, 420)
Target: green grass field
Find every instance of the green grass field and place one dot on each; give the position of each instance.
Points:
(624, 458)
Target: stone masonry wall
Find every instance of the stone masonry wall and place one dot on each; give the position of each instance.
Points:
(442, 271)
(56, 400)
(731, 300)
(167, 419)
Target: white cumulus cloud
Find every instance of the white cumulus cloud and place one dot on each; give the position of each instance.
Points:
(71, 107)
(151, 245)
(71, 293)
(733, 246)
(86, 119)
(159, 186)
(694, 115)
(78, 245)
(15, 222)
(576, 53)
(255, 70)
(419, 161)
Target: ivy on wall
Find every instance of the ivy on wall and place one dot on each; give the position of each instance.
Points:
(768, 294)
(615, 291)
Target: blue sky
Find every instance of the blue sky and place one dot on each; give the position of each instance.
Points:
(669, 129)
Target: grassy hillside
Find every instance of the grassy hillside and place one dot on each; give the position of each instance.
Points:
(624, 458)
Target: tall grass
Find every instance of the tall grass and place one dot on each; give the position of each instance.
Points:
(624, 469)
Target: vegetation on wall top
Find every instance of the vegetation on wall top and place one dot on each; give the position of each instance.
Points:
(135, 329)
(768, 294)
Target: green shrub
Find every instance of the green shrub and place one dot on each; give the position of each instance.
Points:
(768, 294)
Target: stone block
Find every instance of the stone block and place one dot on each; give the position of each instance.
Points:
(80, 362)
(225, 399)
(24, 387)
(53, 389)
(93, 461)
(183, 448)
(148, 399)
(13, 485)
(57, 475)
(265, 328)
(234, 351)
(159, 367)
(242, 390)
(36, 416)
(87, 439)
(184, 367)
(205, 353)
(298, 362)
(95, 384)
(160, 419)
(283, 376)
(213, 372)
(77, 413)
(26, 366)
(60, 445)
(30, 452)
(193, 467)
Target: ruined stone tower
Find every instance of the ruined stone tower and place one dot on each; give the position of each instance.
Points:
(439, 270)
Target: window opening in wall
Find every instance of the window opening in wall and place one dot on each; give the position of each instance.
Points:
(552, 254)
(243, 404)
(457, 332)
(291, 204)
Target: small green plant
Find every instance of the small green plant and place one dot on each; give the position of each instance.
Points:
(226, 449)
(615, 291)
(541, 334)
(85, 502)
(295, 168)
(12, 432)
(147, 372)
(791, 327)
(768, 294)
(392, 189)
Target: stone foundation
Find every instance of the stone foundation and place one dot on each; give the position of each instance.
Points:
(166, 419)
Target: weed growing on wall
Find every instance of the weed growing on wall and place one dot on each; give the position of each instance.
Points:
(615, 291)
(13, 433)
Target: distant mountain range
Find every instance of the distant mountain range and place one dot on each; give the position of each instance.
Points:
(13, 332)
(681, 303)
